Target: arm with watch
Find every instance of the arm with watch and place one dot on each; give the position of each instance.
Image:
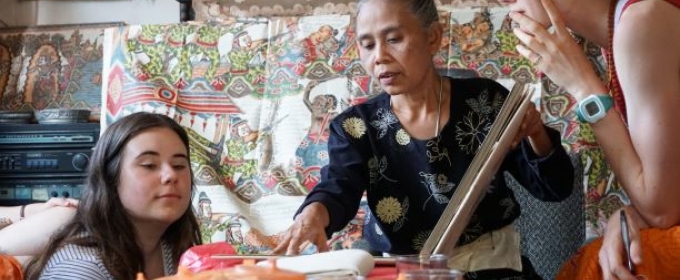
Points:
(643, 153)
(644, 150)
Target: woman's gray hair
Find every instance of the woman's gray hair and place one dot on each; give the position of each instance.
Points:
(424, 10)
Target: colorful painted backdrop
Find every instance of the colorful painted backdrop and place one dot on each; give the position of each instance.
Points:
(57, 66)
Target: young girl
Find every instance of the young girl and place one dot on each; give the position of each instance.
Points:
(134, 213)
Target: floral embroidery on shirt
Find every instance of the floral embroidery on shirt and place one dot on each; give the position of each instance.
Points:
(481, 104)
(376, 170)
(470, 132)
(383, 120)
(404, 209)
(437, 186)
(354, 126)
(434, 152)
(389, 210)
(420, 239)
(402, 137)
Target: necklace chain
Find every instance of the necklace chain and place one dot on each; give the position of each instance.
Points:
(439, 107)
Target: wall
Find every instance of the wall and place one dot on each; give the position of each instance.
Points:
(15, 13)
(19, 12)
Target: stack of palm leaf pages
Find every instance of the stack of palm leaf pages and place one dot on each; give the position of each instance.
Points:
(481, 171)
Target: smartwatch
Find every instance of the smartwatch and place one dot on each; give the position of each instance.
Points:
(594, 107)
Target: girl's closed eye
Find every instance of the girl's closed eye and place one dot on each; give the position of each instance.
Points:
(180, 166)
(147, 165)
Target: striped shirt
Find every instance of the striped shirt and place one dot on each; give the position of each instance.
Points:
(79, 262)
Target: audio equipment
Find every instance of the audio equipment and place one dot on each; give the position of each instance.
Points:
(40, 161)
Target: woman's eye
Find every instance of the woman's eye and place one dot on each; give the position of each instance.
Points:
(148, 165)
(368, 46)
(393, 40)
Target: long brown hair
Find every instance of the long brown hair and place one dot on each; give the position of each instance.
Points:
(101, 214)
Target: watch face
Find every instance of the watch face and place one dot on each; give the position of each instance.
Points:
(592, 108)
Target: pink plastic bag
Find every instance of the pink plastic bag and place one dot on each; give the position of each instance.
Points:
(199, 258)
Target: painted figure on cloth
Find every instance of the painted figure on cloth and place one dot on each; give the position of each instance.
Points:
(312, 154)
(42, 84)
(239, 161)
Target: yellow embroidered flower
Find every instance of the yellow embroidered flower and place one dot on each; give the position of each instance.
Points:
(354, 126)
(389, 210)
(420, 239)
(402, 137)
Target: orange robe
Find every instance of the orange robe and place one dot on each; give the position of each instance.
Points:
(660, 257)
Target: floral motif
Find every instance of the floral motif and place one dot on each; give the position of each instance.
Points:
(377, 168)
(404, 209)
(474, 127)
(481, 104)
(388, 210)
(420, 239)
(402, 137)
(354, 126)
(470, 132)
(434, 153)
(383, 120)
(437, 186)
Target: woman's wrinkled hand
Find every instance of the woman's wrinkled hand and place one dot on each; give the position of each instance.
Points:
(612, 255)
(308, 227)
(531, 126)
(556, 53)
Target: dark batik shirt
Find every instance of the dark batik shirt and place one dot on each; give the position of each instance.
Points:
(408, 182)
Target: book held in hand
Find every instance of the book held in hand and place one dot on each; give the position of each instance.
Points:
(480, 173)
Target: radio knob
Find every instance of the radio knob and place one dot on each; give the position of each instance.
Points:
(80, 161)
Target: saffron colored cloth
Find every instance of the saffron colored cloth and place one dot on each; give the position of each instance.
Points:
(10, 268)
(660, 257)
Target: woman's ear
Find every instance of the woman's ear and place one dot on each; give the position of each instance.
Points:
(434, 41)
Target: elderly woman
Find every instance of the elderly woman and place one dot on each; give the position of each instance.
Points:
(409, 147)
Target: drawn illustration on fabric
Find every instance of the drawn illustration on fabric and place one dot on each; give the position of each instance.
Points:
(256, 102)
(57, 66)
